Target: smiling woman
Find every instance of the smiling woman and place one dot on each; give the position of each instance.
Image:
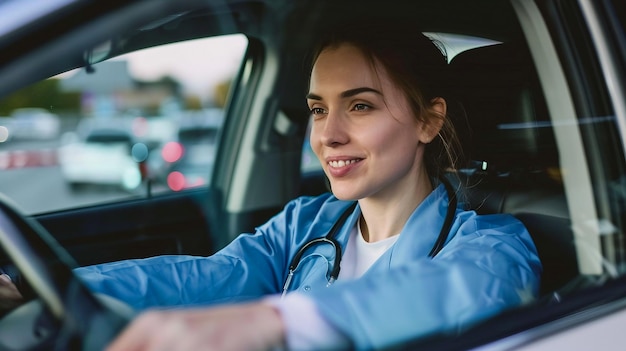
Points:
(414, 247)
(378, 130)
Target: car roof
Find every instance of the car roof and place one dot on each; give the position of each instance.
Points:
(194, 19)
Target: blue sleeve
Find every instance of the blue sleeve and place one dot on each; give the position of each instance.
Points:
(490, 264)
(249, 267)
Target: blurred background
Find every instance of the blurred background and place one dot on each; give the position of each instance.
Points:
(90, 136)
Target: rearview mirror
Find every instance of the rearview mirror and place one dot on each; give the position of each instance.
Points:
(97, 54)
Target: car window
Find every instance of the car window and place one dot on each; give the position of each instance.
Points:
(102, 134)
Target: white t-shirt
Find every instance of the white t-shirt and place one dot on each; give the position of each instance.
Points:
(305, 328)
(360, 254)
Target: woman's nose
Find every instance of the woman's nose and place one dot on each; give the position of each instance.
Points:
(334, 130)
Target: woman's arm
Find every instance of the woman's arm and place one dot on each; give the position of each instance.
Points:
(251, 266)
(491, 264)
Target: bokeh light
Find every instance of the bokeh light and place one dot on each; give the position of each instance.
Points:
(4, 134)
(172, 151)
(176, 181)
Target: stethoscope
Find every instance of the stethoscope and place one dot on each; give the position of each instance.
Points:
(330, 238)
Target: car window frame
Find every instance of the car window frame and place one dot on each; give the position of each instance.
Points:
(578, 186)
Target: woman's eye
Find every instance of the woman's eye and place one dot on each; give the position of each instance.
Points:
(361, 107)
(317, 111)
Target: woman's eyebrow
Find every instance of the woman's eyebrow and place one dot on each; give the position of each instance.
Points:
(356, 91)
(347, 93)
(311, 96)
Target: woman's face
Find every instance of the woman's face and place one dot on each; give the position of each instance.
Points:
(364, 133)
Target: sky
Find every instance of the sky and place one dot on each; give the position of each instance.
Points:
(197, 64)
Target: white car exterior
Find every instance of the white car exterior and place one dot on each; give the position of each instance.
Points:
(34, 124)
(103, 157)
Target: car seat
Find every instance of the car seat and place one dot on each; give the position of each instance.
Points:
(514, 167)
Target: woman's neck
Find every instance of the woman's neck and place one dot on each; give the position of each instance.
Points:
(383, 217)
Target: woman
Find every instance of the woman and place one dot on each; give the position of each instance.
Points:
(381, 131)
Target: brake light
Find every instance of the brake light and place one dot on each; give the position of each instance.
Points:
(172, 151)
(176, 181)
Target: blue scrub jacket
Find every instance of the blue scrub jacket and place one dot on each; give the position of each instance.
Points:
(489, 264)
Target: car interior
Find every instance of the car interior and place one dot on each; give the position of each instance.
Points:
(500, 108)
(513, 147)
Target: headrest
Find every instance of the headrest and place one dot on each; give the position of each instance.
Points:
(508, 126)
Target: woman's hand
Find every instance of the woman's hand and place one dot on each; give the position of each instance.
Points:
(250, 326)
(10, 297)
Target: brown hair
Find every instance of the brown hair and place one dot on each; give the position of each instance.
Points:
(417, 64)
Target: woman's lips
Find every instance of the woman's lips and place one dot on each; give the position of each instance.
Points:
(339, 168)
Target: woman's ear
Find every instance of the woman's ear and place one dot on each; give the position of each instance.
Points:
(434, 120)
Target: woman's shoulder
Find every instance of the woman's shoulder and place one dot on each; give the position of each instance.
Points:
(470, 221)
(500, 235)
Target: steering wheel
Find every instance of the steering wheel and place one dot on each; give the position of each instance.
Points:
(65, 315)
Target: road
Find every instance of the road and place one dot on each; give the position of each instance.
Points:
(31, 179)
(42, 189)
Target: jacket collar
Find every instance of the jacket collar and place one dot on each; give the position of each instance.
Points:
(418, 235)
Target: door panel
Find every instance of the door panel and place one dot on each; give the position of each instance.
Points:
(176, 223)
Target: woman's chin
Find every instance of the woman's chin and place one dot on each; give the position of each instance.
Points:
(345, 194)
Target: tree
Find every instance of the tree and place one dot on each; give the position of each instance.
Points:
(44, 94)
(221, 93)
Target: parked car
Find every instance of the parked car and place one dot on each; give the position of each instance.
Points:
(100, 154)
(541, 113)
(32, 123)
(186, 160)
